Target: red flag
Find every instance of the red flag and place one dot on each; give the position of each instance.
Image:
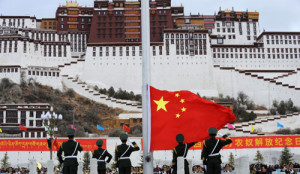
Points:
(55, 143)
(183, 112)
(126, 128)
(23, 128)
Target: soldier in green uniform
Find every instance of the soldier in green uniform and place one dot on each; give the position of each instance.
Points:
(122, 154)
(100, 154)
(210, 153)
(181, 150)
(70, 149)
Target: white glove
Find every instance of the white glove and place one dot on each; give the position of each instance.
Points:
(221, 135)
(130, 141)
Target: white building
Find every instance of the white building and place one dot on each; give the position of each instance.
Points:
(27, 115)
(233, 57)
(18, 22)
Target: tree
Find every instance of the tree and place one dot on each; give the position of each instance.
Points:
(115, 132)
(111, 91)
(286, 157)
(137, 130)
(4, 162)
(258, 157)
(242, 98)
(86, 159)
(231, 159)
(281, 109)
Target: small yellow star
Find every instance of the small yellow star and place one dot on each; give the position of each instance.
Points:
(177, 95)
(161, 104)
(182, 100)
(183, 109)
(177, 115)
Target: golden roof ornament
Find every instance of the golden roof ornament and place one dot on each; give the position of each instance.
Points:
(72, 3)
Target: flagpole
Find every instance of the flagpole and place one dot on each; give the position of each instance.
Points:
(147, 155)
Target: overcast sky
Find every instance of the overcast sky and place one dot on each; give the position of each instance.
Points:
(275, 15)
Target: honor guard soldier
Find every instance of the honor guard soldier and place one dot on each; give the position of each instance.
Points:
(100, 154)
(181, 150)
(70, 149)
(210, 153)
(122, 154)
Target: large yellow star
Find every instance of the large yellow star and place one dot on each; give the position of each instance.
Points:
(177, 115)
(183, 109)
(161, 104)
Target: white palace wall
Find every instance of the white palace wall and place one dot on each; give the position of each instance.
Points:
(271, 155)
(231, 82)
(172, 72)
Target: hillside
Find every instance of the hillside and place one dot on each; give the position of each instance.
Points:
(87, 112)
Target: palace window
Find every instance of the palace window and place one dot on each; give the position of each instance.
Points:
(49, 51)
(121, 51)
(140, 50)
(25, 47)
(133, 51)
(114, 51)
(59, 50)
(107, 51)
(16, 46)
(127, 51)
(45, 50)
(54, 50)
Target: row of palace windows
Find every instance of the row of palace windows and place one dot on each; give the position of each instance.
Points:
(282, 36)
(9, 70)
(43, 73)
(186, 36)
(8, 46)
(263, 56)
(286, 42)
(114, 50)
(196, 42)
(269, 50)
(52, 50)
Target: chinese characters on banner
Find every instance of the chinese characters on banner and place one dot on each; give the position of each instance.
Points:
(90, 144)
(259, 142)
(42, 145)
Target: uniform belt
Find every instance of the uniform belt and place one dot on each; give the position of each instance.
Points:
(214, 154)
(70, 156)
(124, 158)
(100, 160)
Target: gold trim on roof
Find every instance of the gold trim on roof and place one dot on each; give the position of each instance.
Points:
(72, 3)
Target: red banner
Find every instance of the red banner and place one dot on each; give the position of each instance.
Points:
(42, 145)
(90, 144)
(259, 142)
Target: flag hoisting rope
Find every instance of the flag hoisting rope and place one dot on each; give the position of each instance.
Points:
(147, 155)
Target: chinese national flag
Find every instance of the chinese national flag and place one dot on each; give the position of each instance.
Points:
(55, 143)
(126, 128)
(23, 128)
(183, 112)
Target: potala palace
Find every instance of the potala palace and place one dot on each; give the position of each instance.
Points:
(216, 54)
(83, 47)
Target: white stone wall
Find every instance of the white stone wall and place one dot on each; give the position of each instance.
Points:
(231, 82)
(172, 72)
(231, 31)
(18, 21)
(13, 75)
(30, 56)
(271, 155)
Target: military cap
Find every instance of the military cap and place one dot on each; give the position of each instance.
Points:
(70, 132)
(123, 137)
(212, 130)
(99, 142)
(179, 138)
